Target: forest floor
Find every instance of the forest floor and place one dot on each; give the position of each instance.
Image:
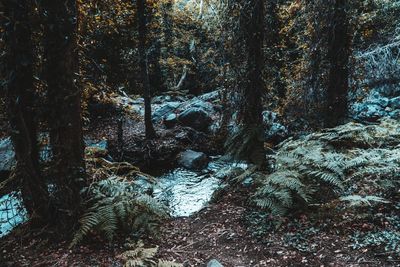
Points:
(228, 230)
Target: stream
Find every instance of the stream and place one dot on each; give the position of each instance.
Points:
(184, 191)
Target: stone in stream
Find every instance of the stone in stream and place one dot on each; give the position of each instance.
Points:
(193, 160)
(214, 263)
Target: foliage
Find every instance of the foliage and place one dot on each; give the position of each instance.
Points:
(357, 200)
(300, 240)
(114, 205)
(389, 240)
(139, 256)
(344, 160)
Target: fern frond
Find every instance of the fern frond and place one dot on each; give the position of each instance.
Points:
(114, 206)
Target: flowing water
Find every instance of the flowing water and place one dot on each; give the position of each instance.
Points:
(186, 192)
(11, 213)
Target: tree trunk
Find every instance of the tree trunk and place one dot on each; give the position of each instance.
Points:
(248, 143)
(20, 95)
(253, 106)
(338, 56)
(64, 98)
(141, 9)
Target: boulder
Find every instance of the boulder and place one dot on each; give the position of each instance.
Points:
(195, 117)
(274, 131)
(368, 112)
(395, 103)
(214, 263)
(165, 110)
(171, 120)
(193, 160)
(7, 155)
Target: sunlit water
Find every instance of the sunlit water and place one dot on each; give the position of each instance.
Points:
(187, 192)
(11, 213)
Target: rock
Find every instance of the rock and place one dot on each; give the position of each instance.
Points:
(7, 155)
(375, 98)
(248, 182)
(395, 114)
(171, 120)
(274, 131)
(395, 103)
(210, 97)
(193, 160)
(161, 99)
(164, 110)
(102, 144)
(214, 263)
(368, 112)
(195, 117)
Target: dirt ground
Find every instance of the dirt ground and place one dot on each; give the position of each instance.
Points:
(222, 231)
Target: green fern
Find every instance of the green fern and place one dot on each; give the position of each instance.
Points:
(115, 206)
(339, 160)
(139, 256)
(357, 200)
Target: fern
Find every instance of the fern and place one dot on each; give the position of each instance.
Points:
(341, 160)
(114, 205)
(357, 200)
(139, 256)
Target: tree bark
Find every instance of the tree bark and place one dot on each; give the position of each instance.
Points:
(338, 56)
(141, 9)
(64, 101)
(247, 62)
(20, 95)
(253, 106)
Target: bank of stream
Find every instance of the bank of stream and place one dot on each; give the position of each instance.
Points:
(184, 191)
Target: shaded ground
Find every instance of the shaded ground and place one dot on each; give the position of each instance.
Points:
(225, 231)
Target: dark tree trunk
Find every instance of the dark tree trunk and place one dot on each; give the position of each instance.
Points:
(64, 100)
(167, 41)
(20, 94)
(253, 107)
(141, 9)
(273, 52)
(248, 143)
(155, 74)
(338, 56)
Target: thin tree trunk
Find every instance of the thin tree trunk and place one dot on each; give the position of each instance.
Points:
(338, 56)
(141, 9)
(64, 97)
(20, 94)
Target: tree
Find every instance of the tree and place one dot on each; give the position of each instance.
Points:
(20, 94)
(142, 30)
(64, 102)
(273, 52)
(339, 52)
(327, 59)
(247, 62)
